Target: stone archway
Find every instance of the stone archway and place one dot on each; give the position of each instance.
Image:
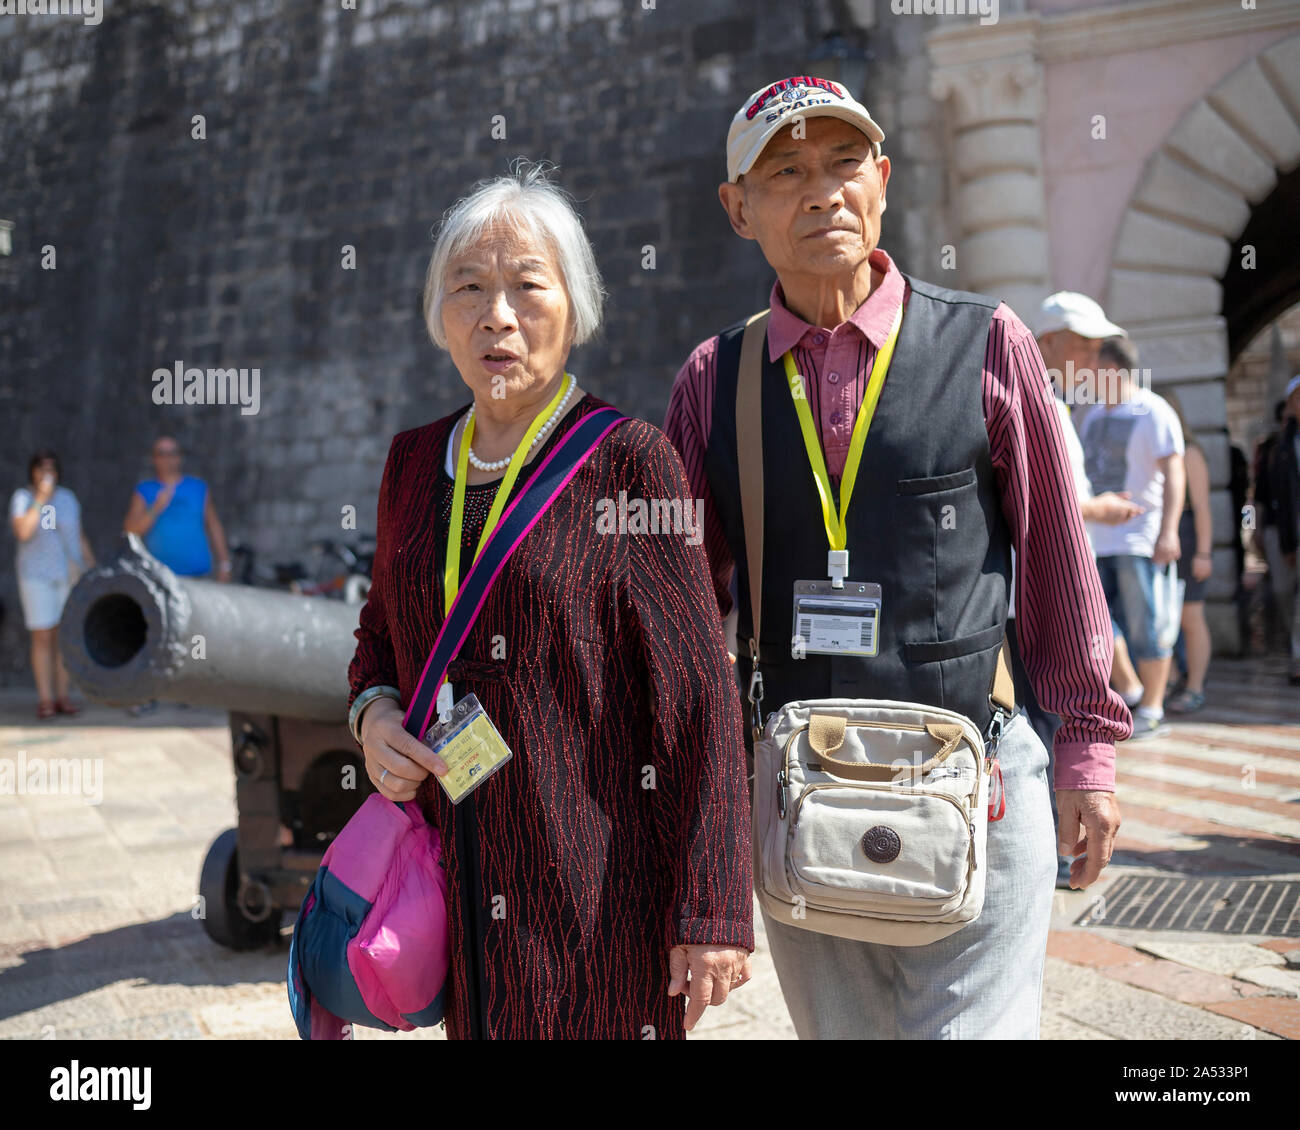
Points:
(1178, 241)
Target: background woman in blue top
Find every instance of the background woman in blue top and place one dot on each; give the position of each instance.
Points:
(174, 515)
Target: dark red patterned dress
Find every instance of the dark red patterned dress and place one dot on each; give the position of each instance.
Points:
(620, 827)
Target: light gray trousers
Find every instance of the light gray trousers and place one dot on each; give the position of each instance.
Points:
(983, 982)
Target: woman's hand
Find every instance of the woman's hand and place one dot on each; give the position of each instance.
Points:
(714, 972)
(387, 745)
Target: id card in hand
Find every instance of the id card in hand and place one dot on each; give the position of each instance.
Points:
(830, 621)
(467, 741)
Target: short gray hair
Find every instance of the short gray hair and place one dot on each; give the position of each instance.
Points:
(529, 200)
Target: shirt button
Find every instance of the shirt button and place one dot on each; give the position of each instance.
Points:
(818, 339)
(835, 417)
(834, 378)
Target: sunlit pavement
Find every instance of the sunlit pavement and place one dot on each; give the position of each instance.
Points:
(98, 938)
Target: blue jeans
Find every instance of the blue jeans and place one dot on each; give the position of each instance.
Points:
(983, 982)
(1128, 582)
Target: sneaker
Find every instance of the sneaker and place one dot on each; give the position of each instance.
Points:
(1132, 698)
(1187, 702)
(140, 709)
(1145, 727)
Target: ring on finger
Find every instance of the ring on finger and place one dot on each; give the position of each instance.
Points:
(382, 776)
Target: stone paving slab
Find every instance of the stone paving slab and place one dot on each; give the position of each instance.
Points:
(1178, 982)
(1214, 957)
(1124, 1012)
(1273, 1014)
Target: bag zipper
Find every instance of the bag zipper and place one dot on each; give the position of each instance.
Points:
(783, 774)
(970, 824)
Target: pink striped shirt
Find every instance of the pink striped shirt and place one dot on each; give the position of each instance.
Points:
(1062, 620)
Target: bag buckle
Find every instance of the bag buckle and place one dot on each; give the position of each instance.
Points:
(994, 735)
(755, 692)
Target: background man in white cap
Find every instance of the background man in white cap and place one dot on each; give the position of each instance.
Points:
(963, 462)
(1133, 441)
(1070, 328)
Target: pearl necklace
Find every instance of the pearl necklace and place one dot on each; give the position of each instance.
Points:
(502, 464)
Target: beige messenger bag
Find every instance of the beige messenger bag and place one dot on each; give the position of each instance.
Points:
(870, 816)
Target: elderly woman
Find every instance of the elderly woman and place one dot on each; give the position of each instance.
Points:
(602, 876)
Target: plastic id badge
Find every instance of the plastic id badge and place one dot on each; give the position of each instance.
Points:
(466, 740)
(830, 621)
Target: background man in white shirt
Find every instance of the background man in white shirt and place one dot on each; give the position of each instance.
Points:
(1132, 442)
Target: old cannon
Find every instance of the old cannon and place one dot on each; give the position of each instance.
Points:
(132, 631)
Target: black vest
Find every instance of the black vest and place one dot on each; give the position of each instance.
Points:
(925, 521)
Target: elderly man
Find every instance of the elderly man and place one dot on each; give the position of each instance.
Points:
(964, 461)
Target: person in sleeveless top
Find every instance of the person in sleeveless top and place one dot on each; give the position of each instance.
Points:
(173, 513)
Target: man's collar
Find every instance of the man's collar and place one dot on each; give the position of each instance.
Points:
(874, 318)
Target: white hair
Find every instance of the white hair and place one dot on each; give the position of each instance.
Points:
(528, 201)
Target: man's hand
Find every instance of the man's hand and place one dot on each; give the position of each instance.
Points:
(1096, 816)
(714, 972)
(1167, 549)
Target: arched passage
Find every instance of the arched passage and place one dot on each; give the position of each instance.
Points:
(1223, 178)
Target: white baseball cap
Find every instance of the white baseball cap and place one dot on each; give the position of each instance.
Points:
(1069, 310)
(770, 108)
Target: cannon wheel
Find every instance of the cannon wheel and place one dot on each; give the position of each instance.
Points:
(224, 922)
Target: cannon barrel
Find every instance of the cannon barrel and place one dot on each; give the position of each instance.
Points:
(132, 630)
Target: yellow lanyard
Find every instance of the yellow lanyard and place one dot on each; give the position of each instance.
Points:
(451, 574)
(836, 529)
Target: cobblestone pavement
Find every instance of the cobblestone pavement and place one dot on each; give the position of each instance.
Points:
(97, 938)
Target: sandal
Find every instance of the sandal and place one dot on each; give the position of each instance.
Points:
(45, 709)
(66, 706)
(1187, 702)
